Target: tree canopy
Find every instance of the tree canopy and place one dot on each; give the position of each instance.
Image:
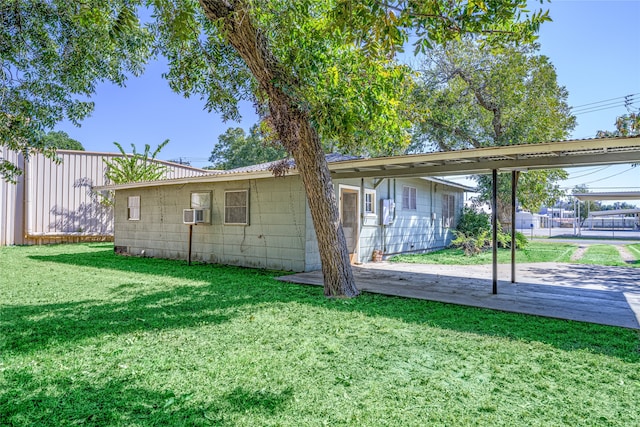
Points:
(61, 140)
(236, 149)
(52, 55)
(135, 167)
(626, 125)
(475, 96)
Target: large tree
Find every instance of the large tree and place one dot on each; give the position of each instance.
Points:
(235, 149)
(318, 69)
(475, 95)
(314, 69)
(52, 55)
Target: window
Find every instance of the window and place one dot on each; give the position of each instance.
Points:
(133, 208)
(236, 207)
(409, 197)
(448, 210)
(369, 202)
(201, 200)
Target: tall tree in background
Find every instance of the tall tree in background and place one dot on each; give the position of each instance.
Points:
(477, 96)
(236, 149)
(312, 68)
(61, 140)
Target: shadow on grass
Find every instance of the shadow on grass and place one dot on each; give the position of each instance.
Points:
(229, 289)
(71, 401)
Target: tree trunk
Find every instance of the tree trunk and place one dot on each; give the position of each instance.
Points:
(296, 134)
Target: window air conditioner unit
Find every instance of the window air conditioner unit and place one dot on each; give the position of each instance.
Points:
(196, 216)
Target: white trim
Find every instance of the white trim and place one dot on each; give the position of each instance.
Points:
(352, 189)
(246, 207)
(133, 209)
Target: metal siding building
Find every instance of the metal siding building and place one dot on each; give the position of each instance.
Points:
(55, 202)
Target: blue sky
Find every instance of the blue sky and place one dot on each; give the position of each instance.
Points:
(593, 45)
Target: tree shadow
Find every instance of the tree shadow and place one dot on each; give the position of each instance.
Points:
(65, 400)
(220, 294)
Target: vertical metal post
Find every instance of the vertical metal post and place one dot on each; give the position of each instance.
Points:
(514, 184)
(494, 227)
(190, 237)
(579, 219)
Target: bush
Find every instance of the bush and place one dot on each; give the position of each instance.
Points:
(472, 223)
(473, 233)
(472, 245)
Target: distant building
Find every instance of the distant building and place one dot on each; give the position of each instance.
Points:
(54, 202)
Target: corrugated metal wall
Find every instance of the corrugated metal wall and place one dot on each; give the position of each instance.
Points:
(59, 204)
(10, 202)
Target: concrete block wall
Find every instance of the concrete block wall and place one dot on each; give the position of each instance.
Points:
(275, 238)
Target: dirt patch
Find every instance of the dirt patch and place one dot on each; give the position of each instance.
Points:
(625, 254)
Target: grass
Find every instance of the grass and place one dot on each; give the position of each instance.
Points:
(635, 251)
(91, 338)
(534, 252)
(602, 255)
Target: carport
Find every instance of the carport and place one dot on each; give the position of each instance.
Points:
(492, 160)
(611, 195)
(602, 303)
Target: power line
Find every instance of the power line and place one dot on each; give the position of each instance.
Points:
(628, 102)
(610, 176)
(590, 173)
(606, 100)
(603, 106)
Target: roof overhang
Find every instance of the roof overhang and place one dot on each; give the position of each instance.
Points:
(615, 212)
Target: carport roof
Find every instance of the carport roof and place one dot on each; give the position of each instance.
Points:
(612, 195)
(549, 155)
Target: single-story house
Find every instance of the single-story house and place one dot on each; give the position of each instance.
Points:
(54, 202)
(248, 217)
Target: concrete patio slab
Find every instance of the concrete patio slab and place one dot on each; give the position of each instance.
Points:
(586, 293)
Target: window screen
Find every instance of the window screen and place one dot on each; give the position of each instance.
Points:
(133, 208)
(370, 202)
(448, 210)
(236, 207)
(409, 196)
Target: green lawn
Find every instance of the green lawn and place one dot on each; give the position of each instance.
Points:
(602, 255)
(91, 338)
(534, 252)
(635, 250)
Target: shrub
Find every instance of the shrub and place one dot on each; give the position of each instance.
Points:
(473, 233)
(472, 223)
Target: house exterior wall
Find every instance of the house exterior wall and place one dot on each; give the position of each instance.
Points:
(275, 237)
(57, 203)
(423, 228)
(280, 234)
(411, 230)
